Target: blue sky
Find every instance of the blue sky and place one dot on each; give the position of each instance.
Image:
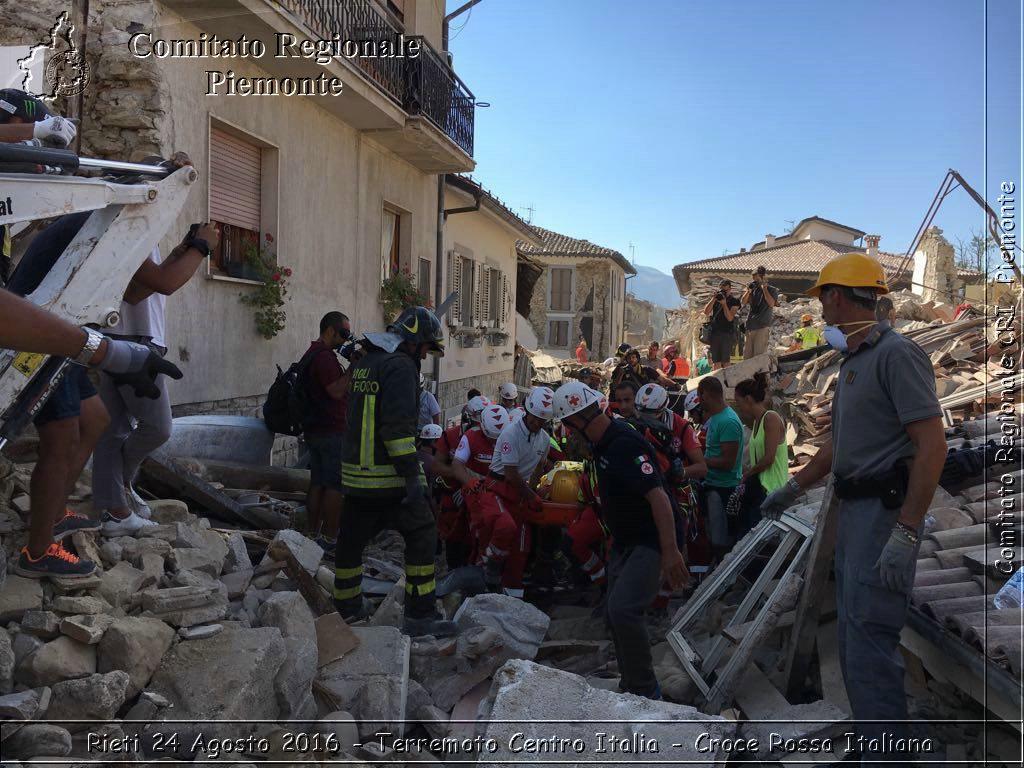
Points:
(694, 127)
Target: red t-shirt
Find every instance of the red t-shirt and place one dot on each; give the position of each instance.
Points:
(324, 369)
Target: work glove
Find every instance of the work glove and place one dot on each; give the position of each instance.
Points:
(894, 563)
(55, 131)
(781, 499)
(137, 366)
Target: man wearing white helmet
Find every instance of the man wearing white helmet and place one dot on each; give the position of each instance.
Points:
(472, 458)
(426, 444)
(508, 396)
(501, 513)
(637, 510)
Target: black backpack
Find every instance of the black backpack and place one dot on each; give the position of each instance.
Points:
(288, 409)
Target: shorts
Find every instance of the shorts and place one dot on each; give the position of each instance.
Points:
(325, 460)
(66, 400)
(721, 346)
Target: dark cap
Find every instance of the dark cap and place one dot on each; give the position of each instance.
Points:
(16, 103)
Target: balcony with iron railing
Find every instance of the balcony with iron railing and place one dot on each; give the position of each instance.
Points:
(424, 85)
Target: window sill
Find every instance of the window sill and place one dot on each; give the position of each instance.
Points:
(228, 279)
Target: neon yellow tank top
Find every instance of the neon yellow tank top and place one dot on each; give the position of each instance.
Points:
(778, 471)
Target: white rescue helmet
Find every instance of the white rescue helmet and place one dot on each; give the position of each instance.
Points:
(692, 401)
(475, 407)
(539, 403)
(573, 397)
(493, 419)
(652, 398)
(508, 391)
(431, 432)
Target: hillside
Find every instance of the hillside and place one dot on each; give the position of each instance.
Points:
(653, 285)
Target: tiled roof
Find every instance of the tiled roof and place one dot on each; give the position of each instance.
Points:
(803, 257)
(554, 244)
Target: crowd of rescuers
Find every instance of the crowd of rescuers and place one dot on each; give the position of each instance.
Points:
(630, 494)
(658, 493)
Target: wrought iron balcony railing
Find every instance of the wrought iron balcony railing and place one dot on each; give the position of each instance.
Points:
(425, 85)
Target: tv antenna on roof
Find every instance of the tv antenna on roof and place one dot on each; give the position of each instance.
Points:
(632, 254)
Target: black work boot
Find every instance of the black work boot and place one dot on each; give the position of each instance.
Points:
(354, 610)
(429, 624)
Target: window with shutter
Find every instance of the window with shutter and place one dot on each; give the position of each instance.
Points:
(455, 285)
(467, 296)
(235, 194)
(561, 289)
(484, 292)
(503, 318)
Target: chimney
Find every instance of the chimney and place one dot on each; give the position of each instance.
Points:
(769, 241)
(872, 244)
(743, 250)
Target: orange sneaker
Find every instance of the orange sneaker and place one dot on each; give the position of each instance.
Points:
(56, 561)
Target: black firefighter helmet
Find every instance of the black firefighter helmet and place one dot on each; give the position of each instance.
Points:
(418, 325)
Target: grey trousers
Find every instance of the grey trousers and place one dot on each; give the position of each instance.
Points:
(634, 576)
(870, 619)
(123, 446)
(756, 342)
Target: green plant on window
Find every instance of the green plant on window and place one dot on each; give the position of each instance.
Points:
(268, 299)
(400, 291)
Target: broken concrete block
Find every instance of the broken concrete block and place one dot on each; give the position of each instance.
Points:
(25, 705)
(236, 583)
(193, 559)
(134, 645)
(581, 628)
(341, 725)
(19, 595)
(524, 692)
(97, 697)
(166, 511)
(215, 546)
(60, 659)
(200, 632)
(152, 565)
(88, 628)
(306, 551)
(381, 660)
(37, 739)
(7, 663)
(448, 669)
(134, 549)
(392, 609)
(522, 626)
(795, 722)
(23, 645)
(121, 583)
(111, 550)
(289, 612)
(22, 503)
(237, 558)
(242, 662)
(43, 624)
(199, 579)
(746, 369)
(87, 546)
(79, 604)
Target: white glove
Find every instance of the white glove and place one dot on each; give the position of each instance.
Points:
(55, 131)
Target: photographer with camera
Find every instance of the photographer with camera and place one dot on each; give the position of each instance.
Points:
(722, 308)
(762, 298)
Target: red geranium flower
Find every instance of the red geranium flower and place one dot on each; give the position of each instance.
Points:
(287, 272)
(270, 237)
(276, 277)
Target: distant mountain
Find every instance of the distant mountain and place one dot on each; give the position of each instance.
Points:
(655, 286)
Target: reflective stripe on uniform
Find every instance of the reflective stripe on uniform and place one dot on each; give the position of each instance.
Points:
(401, 446)
(348, 594)
(348, 573)
(420, 589)
(368, 424)
(419, 570)
(372, 483)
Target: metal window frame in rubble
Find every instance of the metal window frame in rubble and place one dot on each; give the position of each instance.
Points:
(797, 532)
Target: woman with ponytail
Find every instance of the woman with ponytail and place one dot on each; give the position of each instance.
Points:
(768, 455)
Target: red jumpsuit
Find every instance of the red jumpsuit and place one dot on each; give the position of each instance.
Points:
(586, 533)
(452, 520)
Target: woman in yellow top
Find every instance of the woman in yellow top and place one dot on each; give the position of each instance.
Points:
(767, 450)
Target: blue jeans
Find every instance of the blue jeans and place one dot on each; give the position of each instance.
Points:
(66, 400)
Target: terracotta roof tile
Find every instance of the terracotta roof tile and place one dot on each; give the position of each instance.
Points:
(555, 244)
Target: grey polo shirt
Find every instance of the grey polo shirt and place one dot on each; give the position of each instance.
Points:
(883, 385)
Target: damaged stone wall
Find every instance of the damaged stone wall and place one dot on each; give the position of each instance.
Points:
(126, 99)
(591, 299)
(935, 268)
(451, 395)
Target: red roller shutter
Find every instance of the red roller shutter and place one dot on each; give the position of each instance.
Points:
(234, 181)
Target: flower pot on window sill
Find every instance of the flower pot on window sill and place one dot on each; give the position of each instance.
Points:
(242, 270)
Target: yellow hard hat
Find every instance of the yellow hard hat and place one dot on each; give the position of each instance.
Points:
(806, 318)
(854, 270)
(564, 486)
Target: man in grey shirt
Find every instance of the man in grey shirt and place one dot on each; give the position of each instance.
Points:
(762, 298)
(886, 455)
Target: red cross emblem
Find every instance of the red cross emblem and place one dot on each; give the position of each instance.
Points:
(574, 400)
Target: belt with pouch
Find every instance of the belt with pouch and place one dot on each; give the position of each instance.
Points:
(889, 487)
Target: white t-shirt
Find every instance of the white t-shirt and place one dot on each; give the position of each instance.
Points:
(145, 318)
(517, 447)
(462, 452)
(429, 408)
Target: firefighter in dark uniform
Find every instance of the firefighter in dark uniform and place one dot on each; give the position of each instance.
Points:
(381, 475)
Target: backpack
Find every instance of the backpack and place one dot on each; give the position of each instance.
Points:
(288, 408)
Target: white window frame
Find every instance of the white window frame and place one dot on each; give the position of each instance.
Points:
(568, 333)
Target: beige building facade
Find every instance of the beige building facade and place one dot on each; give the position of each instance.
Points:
(346, 186)
(580, 292)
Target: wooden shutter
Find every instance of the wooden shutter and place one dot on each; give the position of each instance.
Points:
(455, 284)
(503, 314)
(483, 316)
(235, 181)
